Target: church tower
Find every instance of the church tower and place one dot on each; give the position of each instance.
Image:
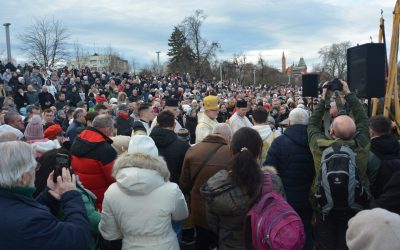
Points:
(283, 63)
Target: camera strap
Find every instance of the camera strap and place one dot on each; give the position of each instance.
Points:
(327, 116)
(339, 104)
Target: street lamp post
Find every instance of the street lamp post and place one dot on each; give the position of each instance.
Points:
(7, 26)
(158, 61)
(220, 71)
(254, 78)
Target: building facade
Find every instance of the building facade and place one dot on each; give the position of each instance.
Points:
(108, 63)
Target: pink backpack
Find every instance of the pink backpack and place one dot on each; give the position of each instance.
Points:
(271, 223)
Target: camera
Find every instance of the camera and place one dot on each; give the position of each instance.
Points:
(62, 161)
(333, 85)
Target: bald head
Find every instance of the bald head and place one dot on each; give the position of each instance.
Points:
(343, 127)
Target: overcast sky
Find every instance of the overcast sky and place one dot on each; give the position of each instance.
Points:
(137, 29)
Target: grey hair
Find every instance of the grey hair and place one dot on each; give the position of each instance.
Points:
(103, 121)
(222, 129)
(298, 116)
(7, 136)
(9, 117)
(78, 112)
(17, 158)
(144, 161)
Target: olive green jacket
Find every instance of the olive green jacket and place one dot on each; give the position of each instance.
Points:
(360, 142)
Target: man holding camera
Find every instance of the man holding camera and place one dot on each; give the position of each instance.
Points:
(340, 190)
(28, 223)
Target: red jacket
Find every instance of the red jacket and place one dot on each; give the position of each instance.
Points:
(92, 160)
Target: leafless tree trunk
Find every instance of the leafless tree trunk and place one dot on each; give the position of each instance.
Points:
(45, 42)
(133, 65)
(79, 55)
(239, 60)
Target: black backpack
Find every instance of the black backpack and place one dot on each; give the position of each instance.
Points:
(339, 186)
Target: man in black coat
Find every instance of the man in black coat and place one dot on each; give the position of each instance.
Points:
(390, 197)
(124, 123)
(291, 156)
(384, 154)
(46, 99)
(168, 144)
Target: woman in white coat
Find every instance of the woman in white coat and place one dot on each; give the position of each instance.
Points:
(141, 205)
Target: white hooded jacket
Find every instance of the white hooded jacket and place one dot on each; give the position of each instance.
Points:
(267, 136)
(139, 207)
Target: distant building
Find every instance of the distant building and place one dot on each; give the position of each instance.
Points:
(108, 63)
(297, 70)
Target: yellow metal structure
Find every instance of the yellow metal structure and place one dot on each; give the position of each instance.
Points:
(375, 101)
(392, 88)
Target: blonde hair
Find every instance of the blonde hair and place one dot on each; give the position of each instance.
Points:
(121, 97)
(144, 161)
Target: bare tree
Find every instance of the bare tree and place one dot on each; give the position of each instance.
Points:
(239, 60)
(45, 41)
(113, 61)
(203, 50)
(79, 55)
(133, 65)
(334, 59)
(154, 67)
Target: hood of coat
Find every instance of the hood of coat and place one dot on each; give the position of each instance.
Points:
(138, 181)
(385, 145)
(263, 130)
(298, 134)
(163, 137)
(140, 174)
(87, 141)
(44, 146)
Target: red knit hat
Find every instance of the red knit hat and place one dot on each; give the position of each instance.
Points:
(267, 106)
(100, 99)
(52, 131)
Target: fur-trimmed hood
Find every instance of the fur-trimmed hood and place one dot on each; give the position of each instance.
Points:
(140, 174)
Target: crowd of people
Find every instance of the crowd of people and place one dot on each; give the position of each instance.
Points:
(100, 160)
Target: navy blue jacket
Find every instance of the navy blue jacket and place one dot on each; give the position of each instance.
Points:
(27, 223)
(72, 130)
(291, 156)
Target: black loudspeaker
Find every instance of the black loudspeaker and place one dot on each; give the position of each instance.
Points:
(310, 85)
(366, 70)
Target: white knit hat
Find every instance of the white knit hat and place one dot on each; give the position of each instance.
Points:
(374, 229)
(113, 100)
(142, 144)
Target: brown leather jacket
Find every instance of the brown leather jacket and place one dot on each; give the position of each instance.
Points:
(191, 164)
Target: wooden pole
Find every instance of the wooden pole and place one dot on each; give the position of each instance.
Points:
(392, 80)
(375, 101)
